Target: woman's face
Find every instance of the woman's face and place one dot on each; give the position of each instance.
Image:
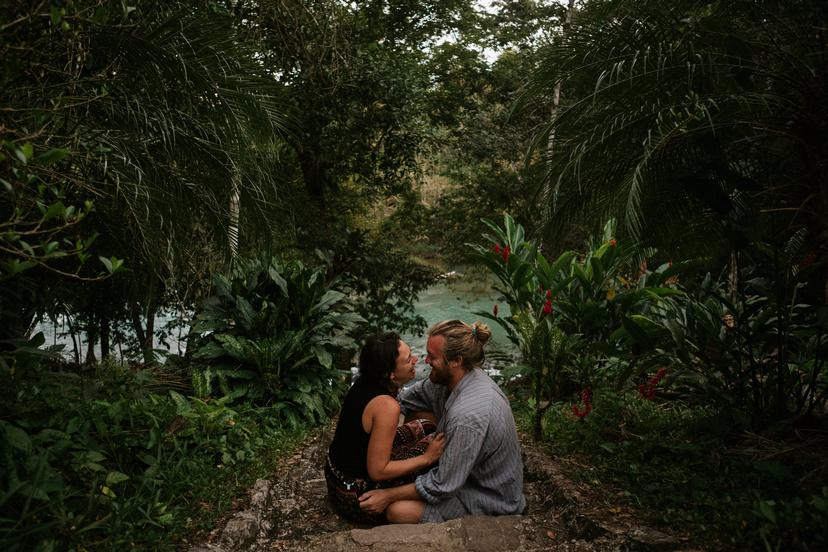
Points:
(404, 368)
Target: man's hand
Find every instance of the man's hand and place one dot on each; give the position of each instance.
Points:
(375, 501)
(435, 448)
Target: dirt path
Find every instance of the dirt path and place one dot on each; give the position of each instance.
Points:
(290, 512)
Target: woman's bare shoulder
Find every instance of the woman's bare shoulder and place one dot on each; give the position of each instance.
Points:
(384, 405)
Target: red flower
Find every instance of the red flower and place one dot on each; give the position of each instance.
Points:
(494, 310)
(506, 252)
(496, 249)
(581, 413)
(648, 390)
(613, 243)
(547, 307)
(586, 397)
(549, 294)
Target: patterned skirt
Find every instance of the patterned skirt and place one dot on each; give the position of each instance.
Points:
(411, 440)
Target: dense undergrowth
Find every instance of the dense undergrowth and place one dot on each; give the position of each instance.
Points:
(697, 472)
(118, 458)
(111, 454)
(700, 397)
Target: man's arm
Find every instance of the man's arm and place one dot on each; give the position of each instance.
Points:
(419, 415)
(418, 399)
(377, 500)
(462, 448)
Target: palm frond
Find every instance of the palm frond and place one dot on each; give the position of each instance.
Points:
(672, 111)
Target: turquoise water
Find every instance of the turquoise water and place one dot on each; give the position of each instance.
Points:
(460, 298)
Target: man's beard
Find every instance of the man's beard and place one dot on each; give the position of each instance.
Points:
(439, 377)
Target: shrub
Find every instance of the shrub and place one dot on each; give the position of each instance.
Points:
(270, 333)
(107, 462)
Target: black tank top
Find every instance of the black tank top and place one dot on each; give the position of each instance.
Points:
(349, 448)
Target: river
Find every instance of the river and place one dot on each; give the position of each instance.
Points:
(458, 296)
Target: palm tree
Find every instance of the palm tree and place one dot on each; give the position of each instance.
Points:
(170, 118)
(692, 122)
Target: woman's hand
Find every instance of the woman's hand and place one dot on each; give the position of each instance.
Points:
(435, 448)
(375, 501)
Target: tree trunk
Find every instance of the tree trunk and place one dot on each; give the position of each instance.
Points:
(91, 339)
(556, 92)
(104, 338)
(537, 428)
(556, 101)
(145, 337)
(233, 227)
(137, 327)
(314, 173)
(149, 336)
(90, 350)
(75, 348)
(733, 279)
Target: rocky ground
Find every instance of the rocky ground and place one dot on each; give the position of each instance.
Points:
(290, 512)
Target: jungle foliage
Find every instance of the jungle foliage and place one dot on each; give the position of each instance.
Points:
(273, 179)
(270, 333)
(741, 352)
(149, 152)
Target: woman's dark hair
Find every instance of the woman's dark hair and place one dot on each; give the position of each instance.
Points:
(378, 358)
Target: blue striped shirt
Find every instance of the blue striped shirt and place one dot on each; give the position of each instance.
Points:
(480, 471)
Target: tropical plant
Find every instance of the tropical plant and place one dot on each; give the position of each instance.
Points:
(119, 460)
(38, 233)
(696, 124)
(270, 332)
(171, 125)
(379, 275)
(578, 319)
(756, 348)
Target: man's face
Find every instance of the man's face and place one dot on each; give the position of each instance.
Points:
(439, 367)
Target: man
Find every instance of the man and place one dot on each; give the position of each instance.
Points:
(481, 471)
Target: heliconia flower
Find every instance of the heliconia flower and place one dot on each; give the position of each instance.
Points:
(496, 248)
(613, 243)
(648, 390)
(586, 398)
(581, 413)
(506, 252)
(547, 307)
(494, 310)
(549, 294)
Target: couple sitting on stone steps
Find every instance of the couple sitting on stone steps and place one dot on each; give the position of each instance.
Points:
(458, 452)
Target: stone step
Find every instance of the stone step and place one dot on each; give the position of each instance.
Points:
(477, 534)
(290, 512)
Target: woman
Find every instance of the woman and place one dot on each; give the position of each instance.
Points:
(368, 450)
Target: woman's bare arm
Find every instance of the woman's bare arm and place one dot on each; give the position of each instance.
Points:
(380, 420)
